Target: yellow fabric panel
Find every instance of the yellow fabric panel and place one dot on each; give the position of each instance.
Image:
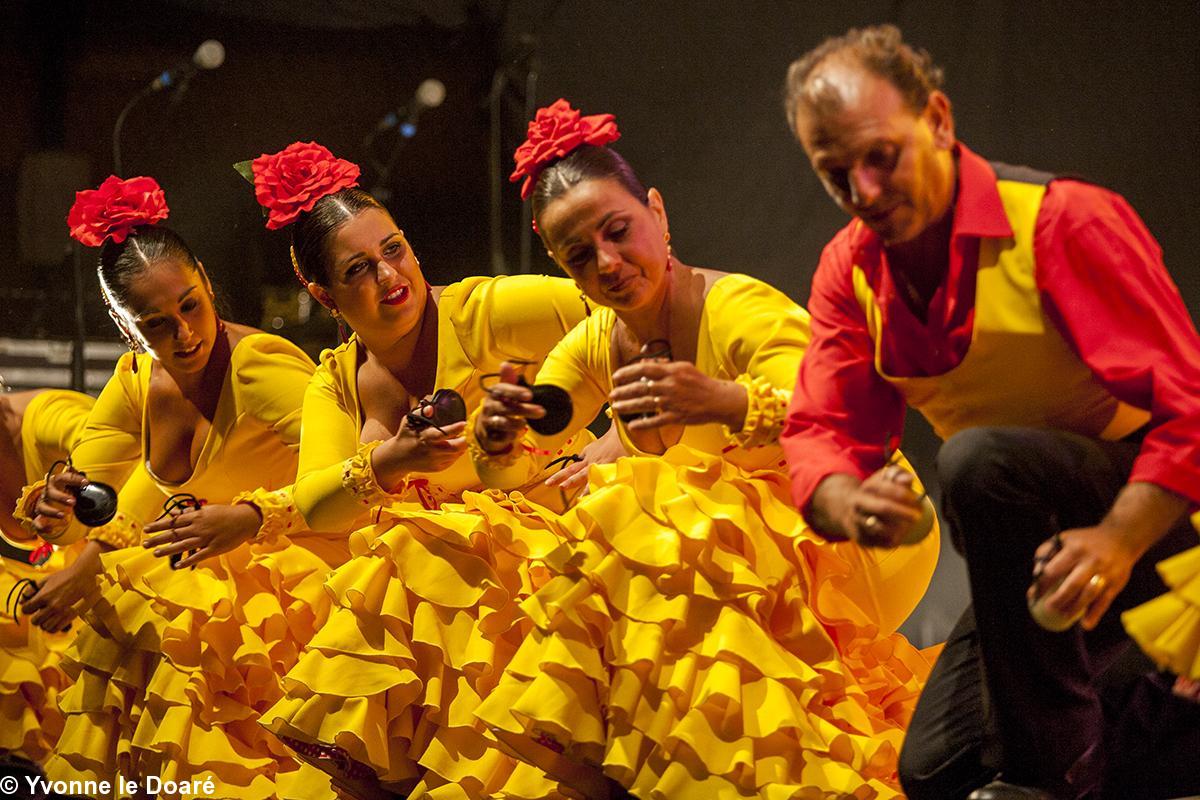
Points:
(52, 424)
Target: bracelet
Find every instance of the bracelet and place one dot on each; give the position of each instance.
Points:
(766, 411)
(358, 477)
(277, 509)
(121, 532)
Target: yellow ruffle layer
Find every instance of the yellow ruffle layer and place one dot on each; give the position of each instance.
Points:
(424, 617)
(698, 641)
(1168, 627)
(174, 667)
(31, 677)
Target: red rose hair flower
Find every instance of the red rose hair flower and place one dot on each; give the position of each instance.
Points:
(114, 209)
(294, 179)
(553, 133)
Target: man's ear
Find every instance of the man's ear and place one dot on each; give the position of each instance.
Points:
(940, 116)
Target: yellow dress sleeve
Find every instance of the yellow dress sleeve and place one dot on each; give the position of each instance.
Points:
(272, 376)
(53, 422)
(572, 366)
(761, 334)
(324, 495)
(110, 447)
(528, 314)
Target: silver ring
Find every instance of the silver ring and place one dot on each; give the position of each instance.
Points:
(657, 405)
(871, 522)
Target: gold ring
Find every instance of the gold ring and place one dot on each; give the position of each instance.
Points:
(871, 522)
(657, 405)
(1098, 582)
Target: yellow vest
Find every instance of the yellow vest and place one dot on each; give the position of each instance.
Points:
(1018, 370)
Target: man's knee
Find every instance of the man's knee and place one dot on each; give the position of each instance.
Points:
(927, 773)
(975, 460)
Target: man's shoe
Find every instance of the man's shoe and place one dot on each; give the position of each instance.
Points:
(999, 790)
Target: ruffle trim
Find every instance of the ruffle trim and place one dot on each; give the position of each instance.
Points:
(24, 513)
(1168, 627)
(358, 477)
(766, 409)
(123, 531)
(278, 511)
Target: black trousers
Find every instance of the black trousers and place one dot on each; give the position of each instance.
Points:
(1006, 696)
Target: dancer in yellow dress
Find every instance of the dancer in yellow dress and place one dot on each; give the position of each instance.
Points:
(175, 664)
(698, 640)
(382, 696)
(37, 428)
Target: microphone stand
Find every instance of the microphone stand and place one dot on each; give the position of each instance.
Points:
(133, 101)
(78, 356)
(383, 169)
(521, 70)
(531, 81)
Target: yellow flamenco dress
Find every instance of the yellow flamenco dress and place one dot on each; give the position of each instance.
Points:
(174, 667)
(697, 639)
(426, 612)
(1168, 627)
(31, 677)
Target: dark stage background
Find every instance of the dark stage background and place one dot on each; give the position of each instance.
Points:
(1110, 91)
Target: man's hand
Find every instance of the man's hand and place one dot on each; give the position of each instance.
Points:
(1094, 564)
(878, 512)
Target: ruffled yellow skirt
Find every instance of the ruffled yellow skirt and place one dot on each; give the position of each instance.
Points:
(174, 668)
(31, 676)
(424, 617)
(697, 640)
(1168, 627)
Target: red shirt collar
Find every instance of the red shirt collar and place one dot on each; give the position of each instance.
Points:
(977, 207)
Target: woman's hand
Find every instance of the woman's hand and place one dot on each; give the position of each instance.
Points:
(877, 512)
(1085, 575)
(675, 393)
(53, 606)
(605, 450)
(428, 450)
(56, 507)
(505, 410)
(202, 532)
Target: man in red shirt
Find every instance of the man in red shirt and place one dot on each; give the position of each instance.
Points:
(1032, 321)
